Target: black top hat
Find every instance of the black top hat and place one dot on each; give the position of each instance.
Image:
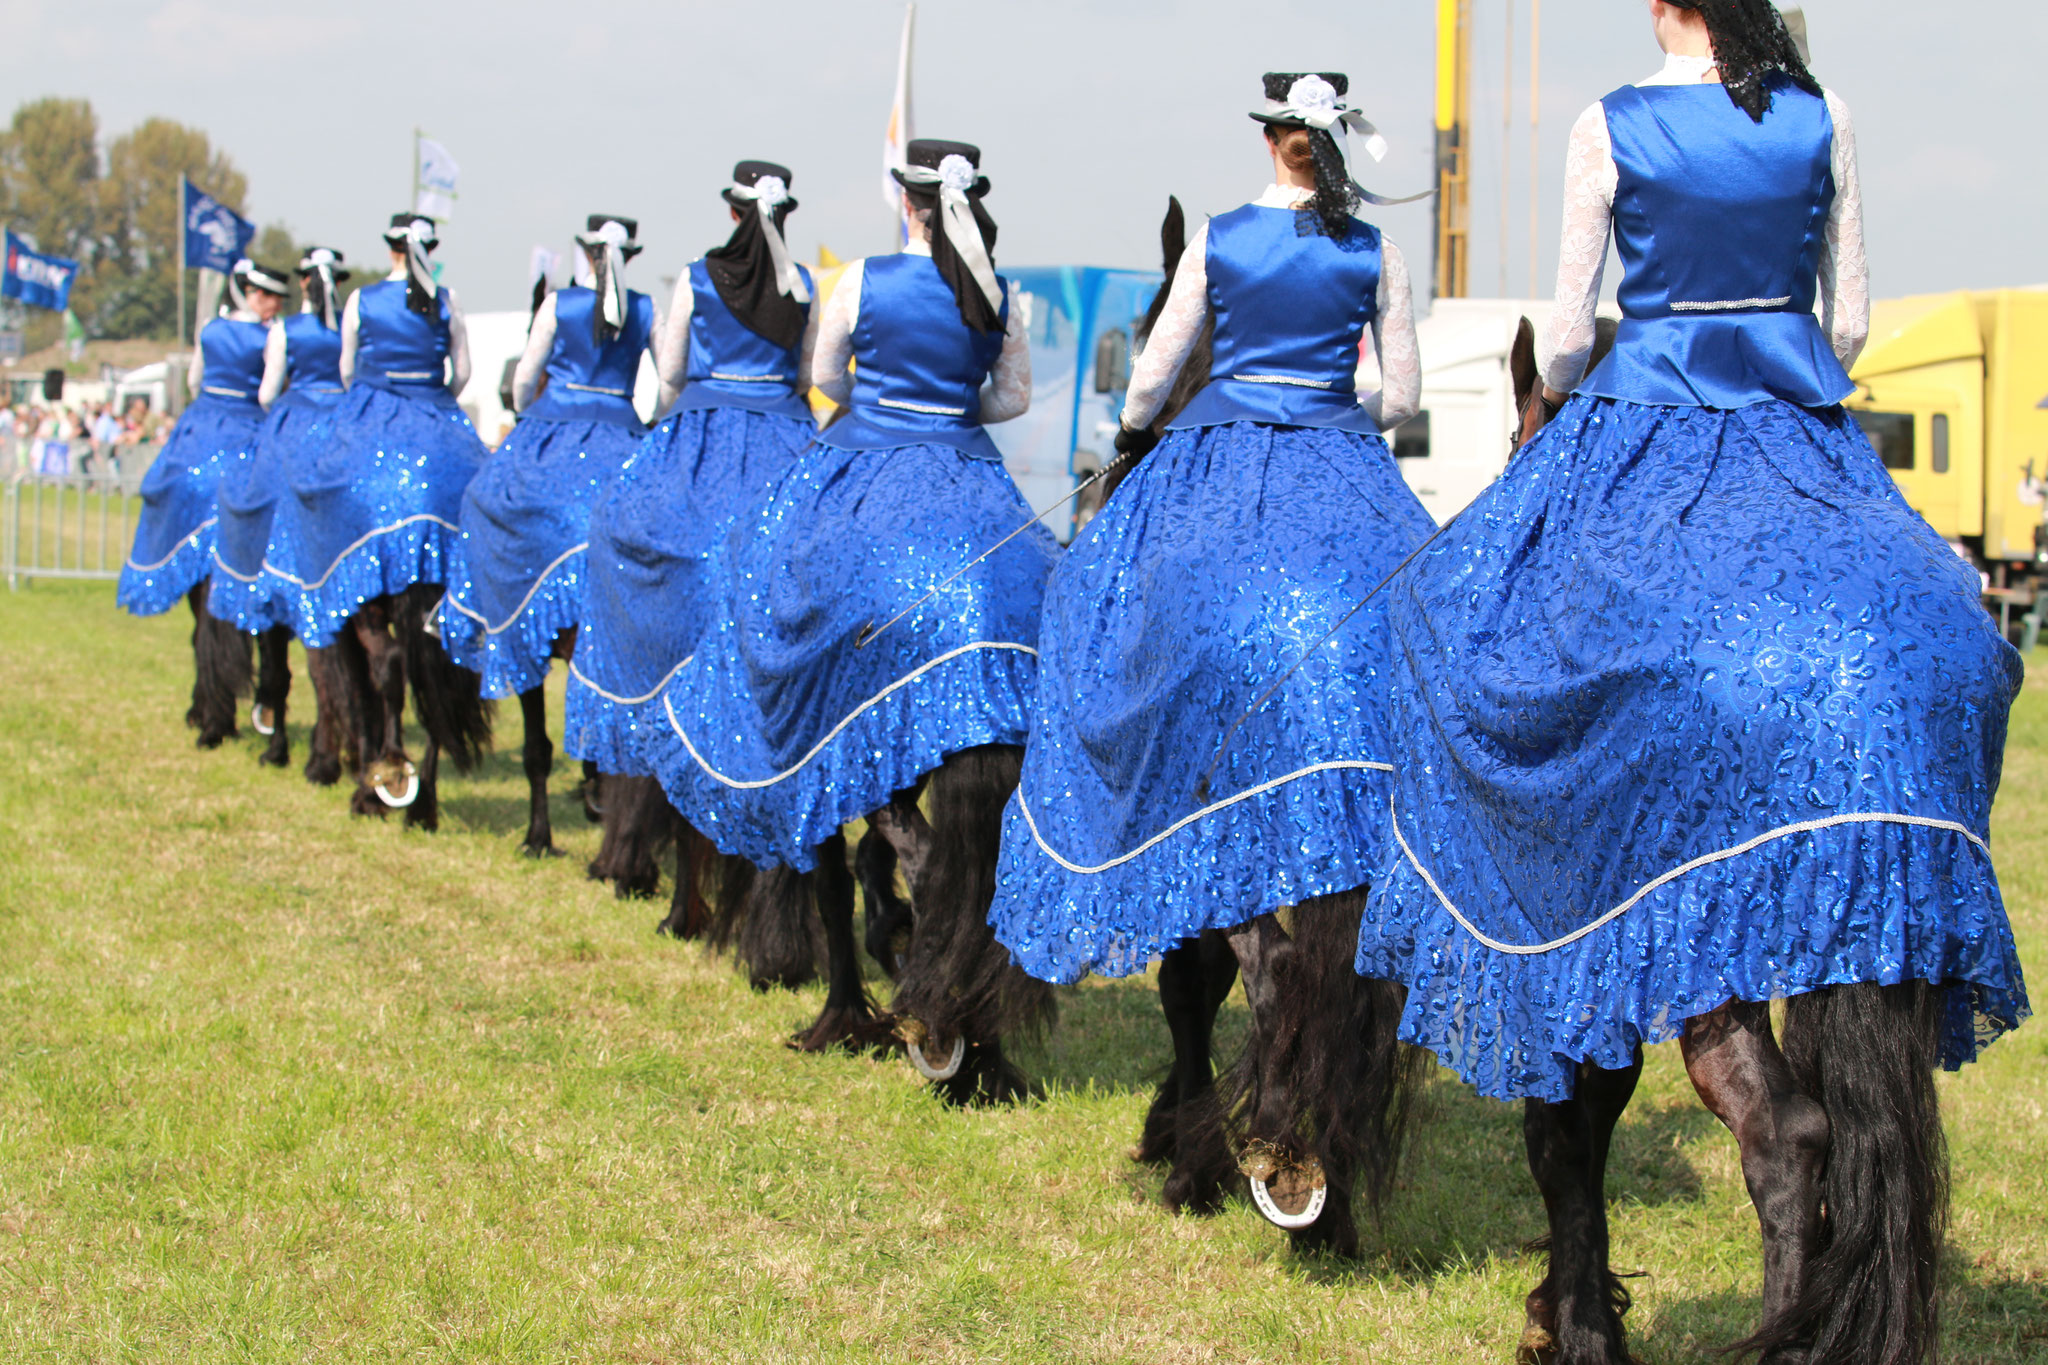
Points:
(751, 173)
(317, 256)
(254, 276)
(401, 224)
(1278, 83)
(928, 152)
(594, 224)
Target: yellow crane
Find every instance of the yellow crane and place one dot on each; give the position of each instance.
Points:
(1453, 160)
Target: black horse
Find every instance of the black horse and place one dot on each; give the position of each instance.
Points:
(1842, 1150)
(231, 664)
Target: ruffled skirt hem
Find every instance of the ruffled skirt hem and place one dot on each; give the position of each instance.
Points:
(1849, 903)
(1241, 857)
(513, 657)
(980, 695)
(382, 564)
(604, 728)
(249, 604)
(155, 590)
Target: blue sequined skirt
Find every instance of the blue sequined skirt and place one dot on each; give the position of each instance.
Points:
(239, 591)
(646, 591)
(1692, 707)
(175, 532)
(1222, 558)
(517, 577)
(780, 728)
(372, 499)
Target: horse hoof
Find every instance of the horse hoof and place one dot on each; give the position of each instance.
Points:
(260, 717)
(211, 739)
(850, 1030)
(275, 758)
(1537, 1347)
(540, 850)
(386, 774)
(914, 1048)
(1264, 1163)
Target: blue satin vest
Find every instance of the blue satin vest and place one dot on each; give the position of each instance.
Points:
(918, 369)
(731, 367)
(312, 355)
(396, 348)
(1290, 306)
(1720, 222)
(586, 384)
(233, 369)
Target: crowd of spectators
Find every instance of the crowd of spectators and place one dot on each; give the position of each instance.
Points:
(90, 439)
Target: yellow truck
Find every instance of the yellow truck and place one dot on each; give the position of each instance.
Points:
(1951, 391)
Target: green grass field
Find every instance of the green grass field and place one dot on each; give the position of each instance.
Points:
(279, 1085)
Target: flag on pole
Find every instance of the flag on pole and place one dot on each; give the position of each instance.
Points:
(74, 334)
(215, 235)
(434, 187)
(896, 142)
(35, 278)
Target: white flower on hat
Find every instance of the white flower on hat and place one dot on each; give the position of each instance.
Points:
(956, 172)
(1312, 95)
(771, 190)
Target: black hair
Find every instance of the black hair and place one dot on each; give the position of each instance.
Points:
(975, 309)
(743, 273)
(1335, 200)
(1753, 49)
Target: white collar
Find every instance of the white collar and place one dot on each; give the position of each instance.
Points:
(1681, 70)
(1284, 197)
(245, 315)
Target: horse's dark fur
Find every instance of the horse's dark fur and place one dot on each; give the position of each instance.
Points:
(886, 914)
(1324, 1073)
(957, 980)
(1184, 1126)
(770, 922)
(273, 689)
(336, 720)
(221, 673)
(849, 1019)
(639, 825)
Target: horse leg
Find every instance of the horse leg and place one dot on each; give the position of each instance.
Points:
(220, 673)
(960, 992)
(330, 716)
(1185, 1124)
(365, 712)
(889, 919)
(590, 791)
(1574, 1314)
(539, 760)
(689, 912)
(849, 1019)
(1745, 1081)
(273, 687)
(384, 757)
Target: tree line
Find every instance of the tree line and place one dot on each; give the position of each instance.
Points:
(115, 213)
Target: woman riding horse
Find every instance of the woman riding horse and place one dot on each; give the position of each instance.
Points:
(517, 583)
(1694, 712)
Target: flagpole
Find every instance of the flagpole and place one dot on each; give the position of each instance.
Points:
(181, 260)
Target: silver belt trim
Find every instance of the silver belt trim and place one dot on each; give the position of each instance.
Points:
(596, 388)
(932, 408)
(1286, 379)
(750, 378)
(1729, 305)
(225, 393)
(410, 374)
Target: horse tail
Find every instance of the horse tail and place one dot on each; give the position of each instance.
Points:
(765, 918)
(447, 698)
(638, 826)
(1867, 1054)
(957, 979)
(222, 669)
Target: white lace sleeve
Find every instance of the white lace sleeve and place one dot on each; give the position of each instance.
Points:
(533, 361)
(1009, 384)
(458, 346)
(274, 368)
(1393, 343)
(351, 328)
(832, 352)
(1844, 269)
(672, 344)
(1589, 183)
(1175, 335)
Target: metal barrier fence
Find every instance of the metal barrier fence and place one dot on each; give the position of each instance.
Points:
(66, 526)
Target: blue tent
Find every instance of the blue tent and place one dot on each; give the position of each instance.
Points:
(1081, 321)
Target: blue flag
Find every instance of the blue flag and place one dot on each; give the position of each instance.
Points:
(215, 235)
(32, 277)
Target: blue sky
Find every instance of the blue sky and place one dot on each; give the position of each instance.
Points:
(1089, 112)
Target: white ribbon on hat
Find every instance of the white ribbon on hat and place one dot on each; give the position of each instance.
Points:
(321, 262)
(246, 271)
(609, 241)
(1314, 101)
(766, 193)
(953, 178)
(419, 235)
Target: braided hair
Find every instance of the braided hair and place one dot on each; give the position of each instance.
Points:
(1753, 50)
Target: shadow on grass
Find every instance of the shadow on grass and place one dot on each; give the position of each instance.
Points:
(1112, 1038)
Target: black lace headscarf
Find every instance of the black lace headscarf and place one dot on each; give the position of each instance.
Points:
(743, 270)
(975, 309)
(1334, 200)
(1753, 50)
